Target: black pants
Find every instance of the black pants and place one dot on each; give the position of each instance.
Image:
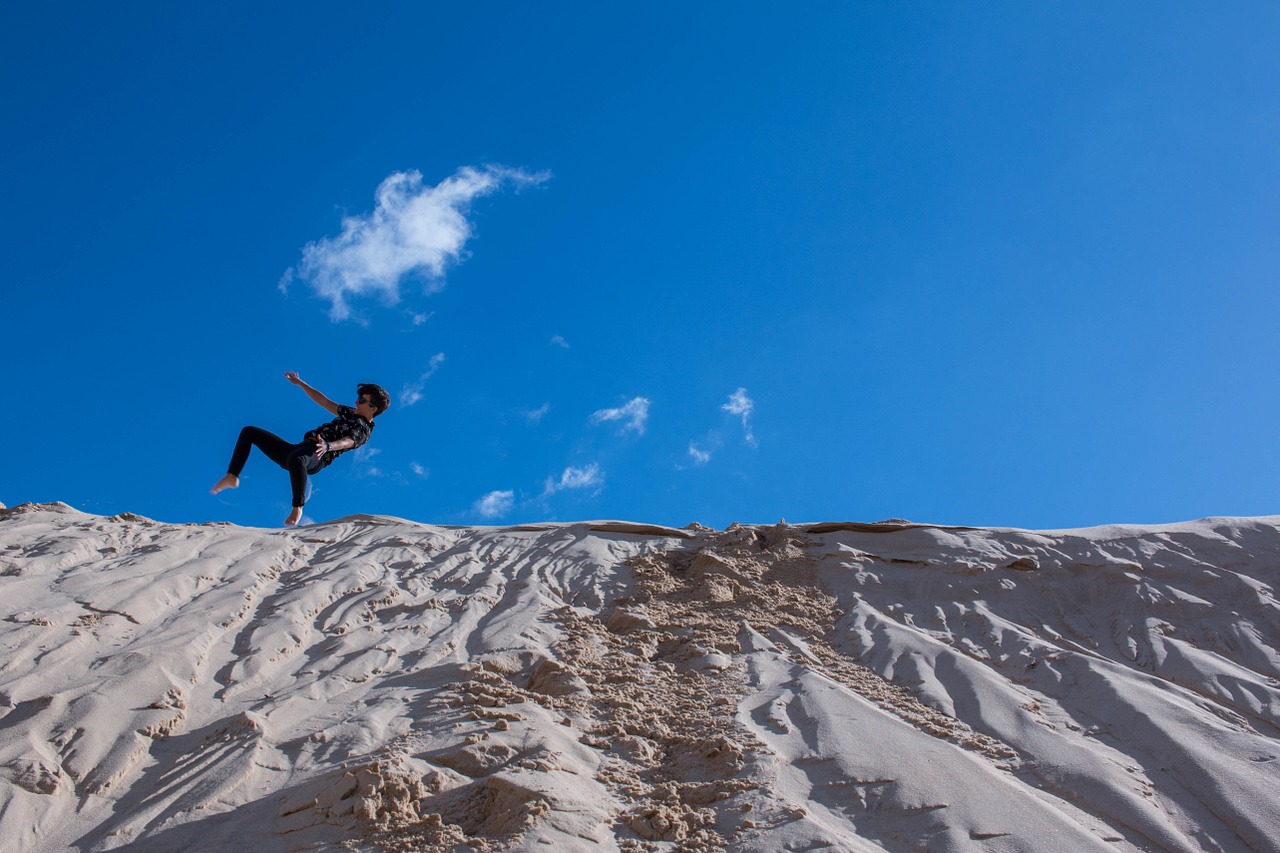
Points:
(298, 459)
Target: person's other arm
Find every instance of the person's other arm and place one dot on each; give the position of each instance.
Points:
(320, 399)
(323, 447)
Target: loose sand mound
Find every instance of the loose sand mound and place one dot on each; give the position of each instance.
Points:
(375, 684)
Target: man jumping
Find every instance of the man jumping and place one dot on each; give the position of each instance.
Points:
(350, 429)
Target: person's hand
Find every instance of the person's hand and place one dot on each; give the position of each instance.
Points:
(292, 376)
(322, 447)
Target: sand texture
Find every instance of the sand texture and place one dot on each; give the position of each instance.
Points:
(377, 684)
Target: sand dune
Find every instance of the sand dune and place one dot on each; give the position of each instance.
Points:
(377, 684)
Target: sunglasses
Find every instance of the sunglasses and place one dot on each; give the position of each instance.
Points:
(366, 401)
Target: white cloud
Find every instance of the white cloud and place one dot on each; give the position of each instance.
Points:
(534, 416)
(559, 341)
(363, 456)
(700, 457)
(739, 403)
(414, 230)
(742, 406)
(635, 413)
(419, 471)
(412, 392)
(419, 318)
(495, 504)
(575, 478)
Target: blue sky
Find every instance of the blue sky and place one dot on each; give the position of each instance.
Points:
(1000, 264)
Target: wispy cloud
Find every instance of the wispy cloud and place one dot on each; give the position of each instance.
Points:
(495, 504)
(558, 341)
(635, 415)
(363, 457)
(742, 406)
(412, 392)
(534, 416)
(419, 471)
(699, 456)
(414, 230)
(589, 477)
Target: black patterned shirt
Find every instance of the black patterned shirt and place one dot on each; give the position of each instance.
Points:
(346, 425)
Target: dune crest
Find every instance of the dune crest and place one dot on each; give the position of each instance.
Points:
(377, 684)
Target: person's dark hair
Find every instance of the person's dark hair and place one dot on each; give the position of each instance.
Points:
(380, 399)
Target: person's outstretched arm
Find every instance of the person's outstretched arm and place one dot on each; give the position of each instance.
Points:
(320, 399)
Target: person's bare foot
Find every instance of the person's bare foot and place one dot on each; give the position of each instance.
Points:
(294, 517)
(229, 481)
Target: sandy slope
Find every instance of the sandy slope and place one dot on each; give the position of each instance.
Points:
(373, 683)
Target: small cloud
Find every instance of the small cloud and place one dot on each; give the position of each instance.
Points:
(363, 455)
(495, 504)
(414, 231)
(739, 404)
(419, 471)
(700, 457)
(556, 340)
(634, 413)
(742, 406)
(418, 319)
(534, 416)
(575, 478)
(412, 392)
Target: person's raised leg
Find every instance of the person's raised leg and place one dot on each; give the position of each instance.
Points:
(275, 447)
